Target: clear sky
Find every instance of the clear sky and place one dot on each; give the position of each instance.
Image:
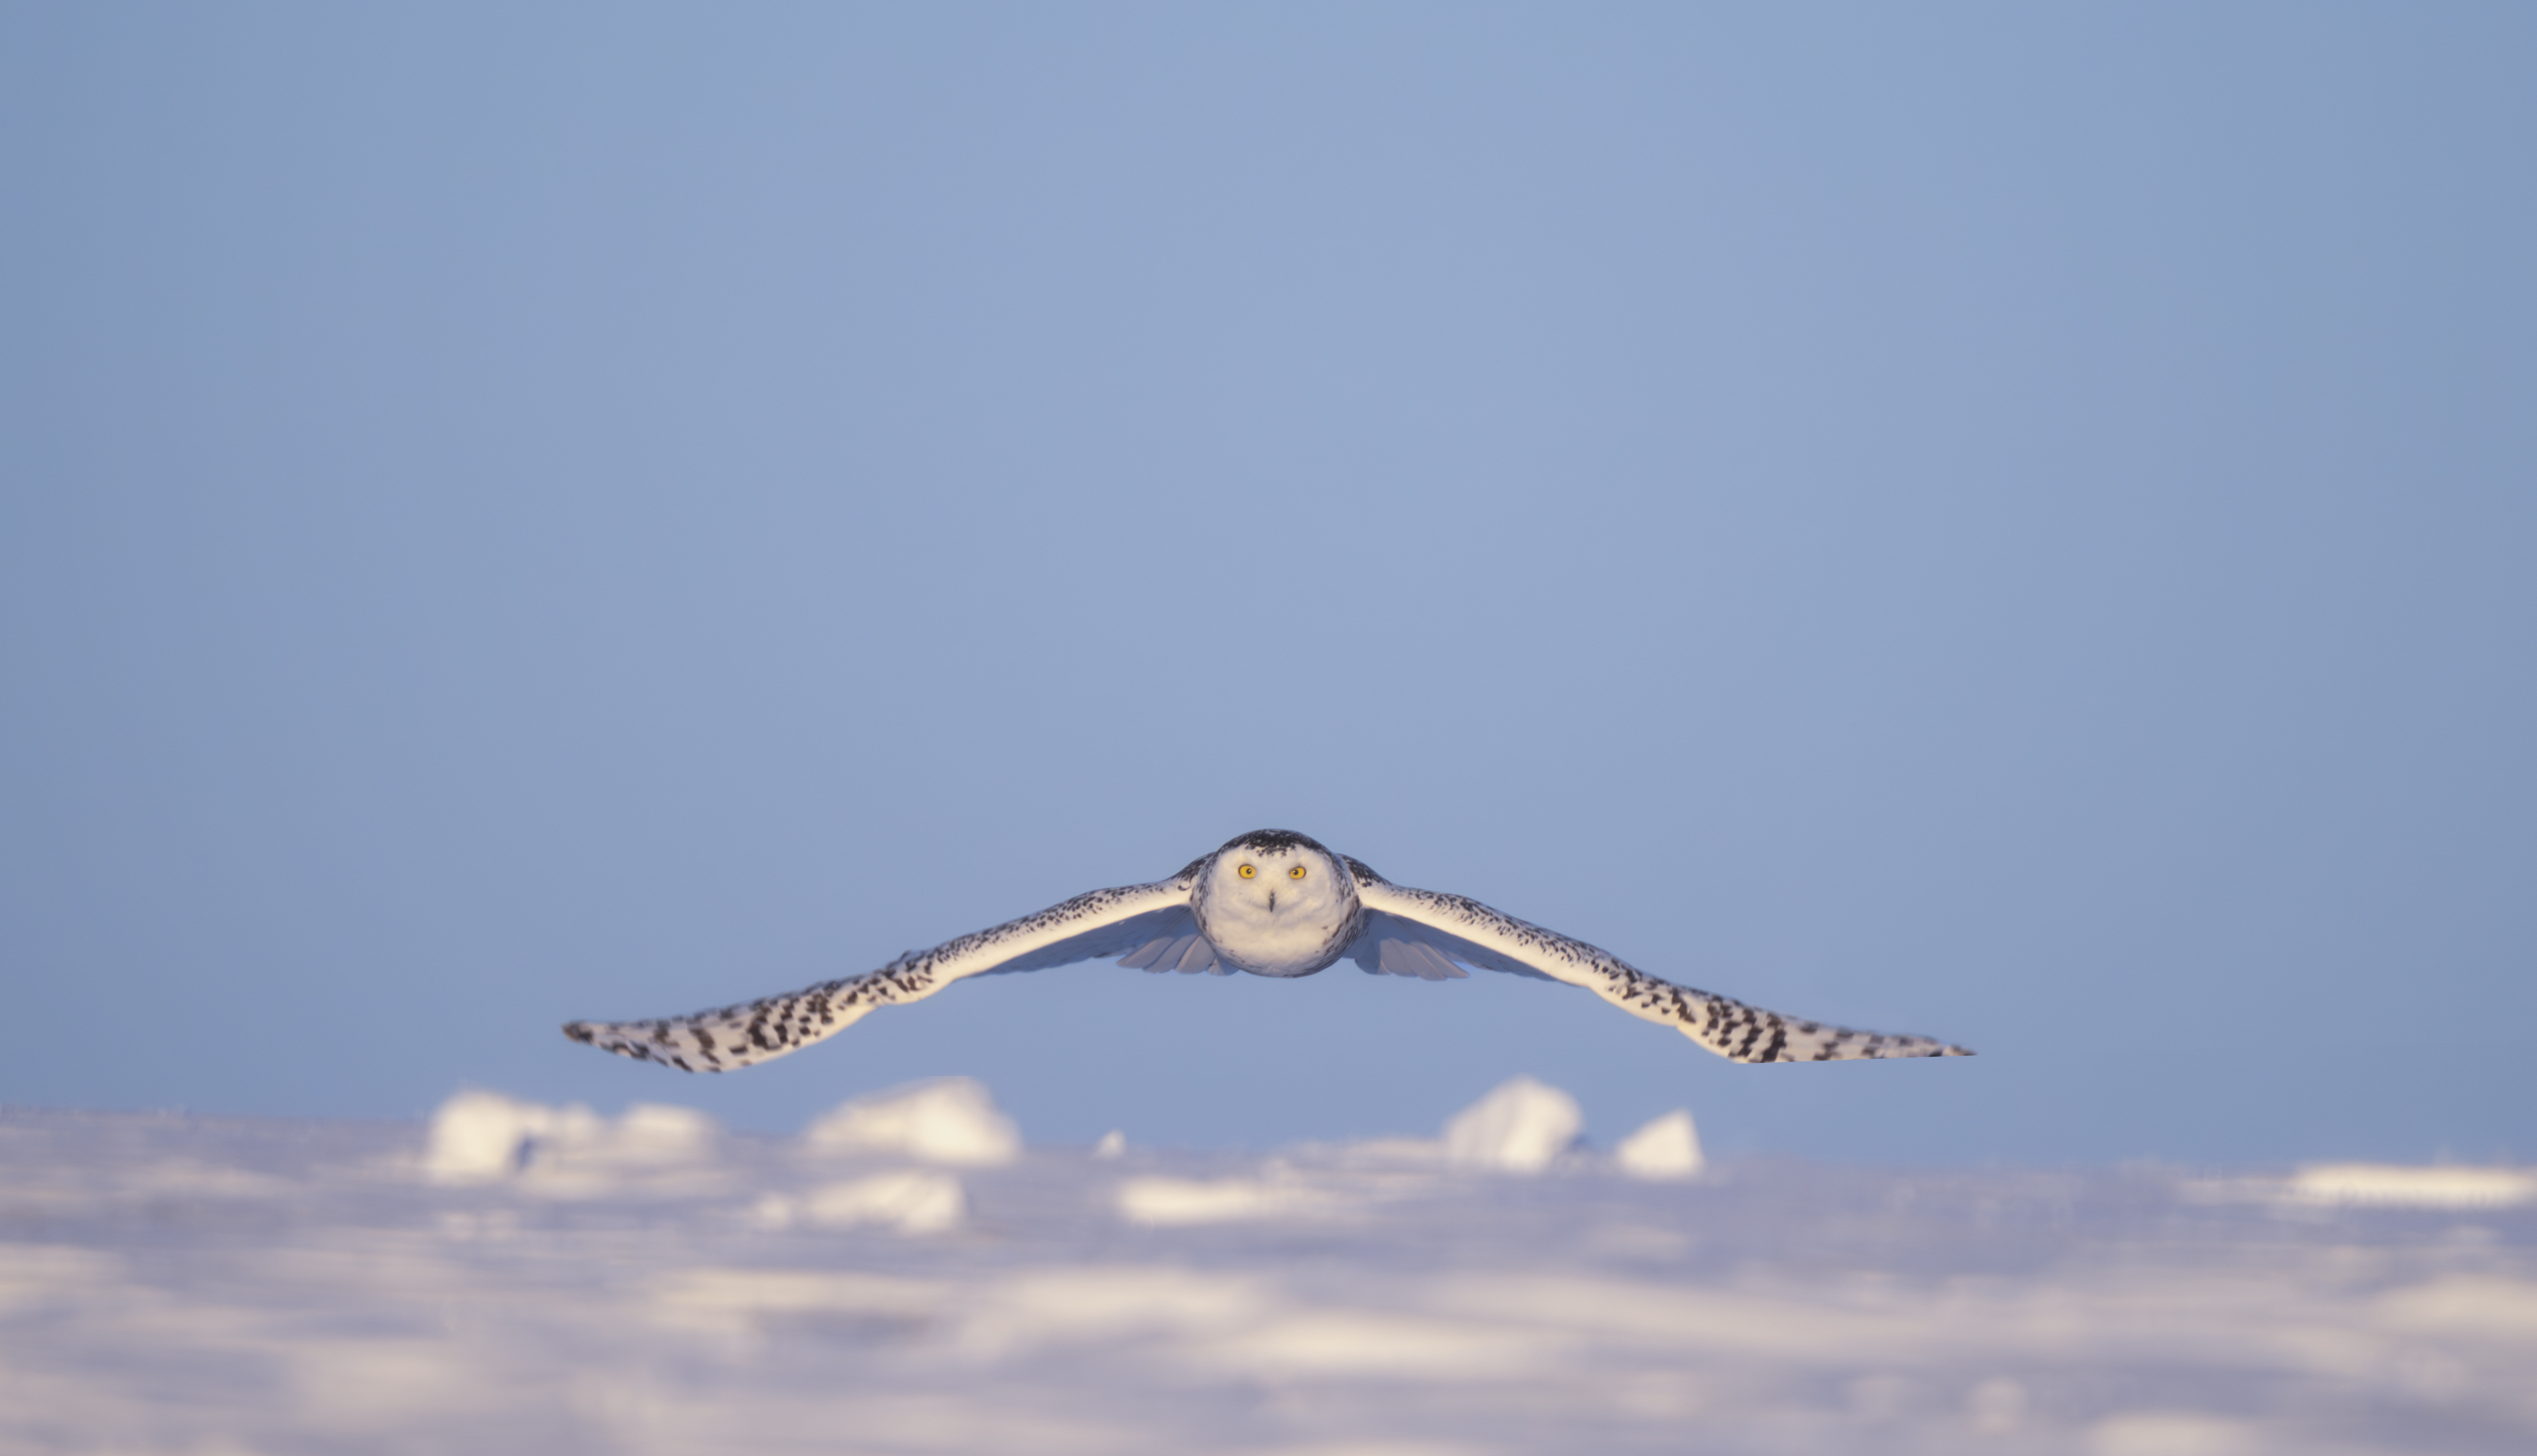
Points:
(2011, 522)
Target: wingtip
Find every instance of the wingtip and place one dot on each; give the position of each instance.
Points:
(579, 1031)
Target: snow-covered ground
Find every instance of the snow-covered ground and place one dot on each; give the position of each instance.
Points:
(907, 1278)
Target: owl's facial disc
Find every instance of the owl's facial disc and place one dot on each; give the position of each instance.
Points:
(1276, 873)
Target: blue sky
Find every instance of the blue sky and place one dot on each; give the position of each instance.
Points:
(2008, 524)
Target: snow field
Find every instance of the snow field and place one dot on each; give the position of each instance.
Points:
(910, 1278)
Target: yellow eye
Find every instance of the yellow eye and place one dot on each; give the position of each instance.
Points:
(1247, 871)
(1295, 873)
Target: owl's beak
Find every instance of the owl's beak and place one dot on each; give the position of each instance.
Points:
(1273, 899)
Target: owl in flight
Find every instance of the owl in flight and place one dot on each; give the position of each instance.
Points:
(1274, 903)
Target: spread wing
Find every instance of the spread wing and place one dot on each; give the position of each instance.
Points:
(1153, 921)
(1419, 932)
(1177, 947)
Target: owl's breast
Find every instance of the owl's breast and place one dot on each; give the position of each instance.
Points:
(1252, 934)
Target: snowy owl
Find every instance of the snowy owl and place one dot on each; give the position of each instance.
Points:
(1273, 903)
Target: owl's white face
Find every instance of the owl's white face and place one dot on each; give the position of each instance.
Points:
(1276, 903)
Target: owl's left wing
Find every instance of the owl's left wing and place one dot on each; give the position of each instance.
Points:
(1132, 921)
(1420, 932)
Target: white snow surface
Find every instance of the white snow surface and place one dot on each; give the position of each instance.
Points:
(1520, 1126)
(1669, 1147)
(949, 1119)
(483, 1136)
(526, 1279)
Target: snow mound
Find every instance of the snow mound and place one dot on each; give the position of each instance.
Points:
(949, 1119)
(482, 1136)
(657, 1132)
(1519, 1127)
(1668, 1148)
(912, 1201)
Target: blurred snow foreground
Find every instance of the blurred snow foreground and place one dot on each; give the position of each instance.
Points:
(907, 1277)
(949, 1120)
(483, 1136)
(480, 1135)
(1521, 1127)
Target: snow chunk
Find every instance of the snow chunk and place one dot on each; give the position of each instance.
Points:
(949, 1119)
(1519, 1127)
(1113, 1144)
(657, 1132)
(480, 1136)
(1669, 1147)
(913, 1201)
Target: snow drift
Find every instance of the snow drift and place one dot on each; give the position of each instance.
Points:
(530, 1279)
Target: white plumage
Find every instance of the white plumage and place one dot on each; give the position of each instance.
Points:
(1273, 903)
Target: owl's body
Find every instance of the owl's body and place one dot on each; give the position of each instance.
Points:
(1272, 903)
(1235, 900)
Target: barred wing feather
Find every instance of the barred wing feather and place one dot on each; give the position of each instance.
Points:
(1088, 927)
(1408, 931)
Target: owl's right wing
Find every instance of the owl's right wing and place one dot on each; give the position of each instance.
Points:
(1422, 933)
(1150, 924)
